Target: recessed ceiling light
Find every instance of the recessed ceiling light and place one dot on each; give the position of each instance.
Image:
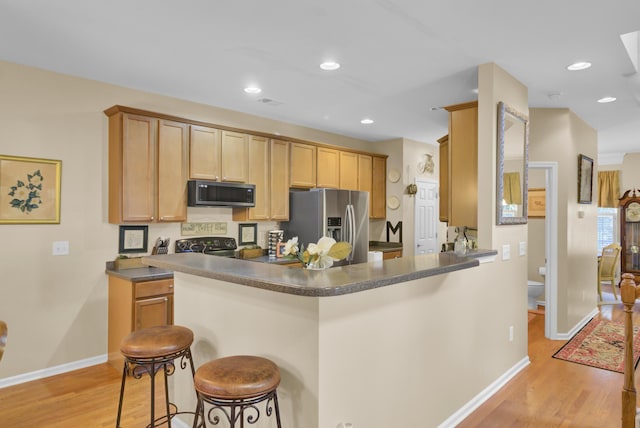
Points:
(577, 66)
(606, 100)
(329, 65)
(252, 90)
(366, 121)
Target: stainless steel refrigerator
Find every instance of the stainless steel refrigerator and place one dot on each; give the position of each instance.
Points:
(340, 214)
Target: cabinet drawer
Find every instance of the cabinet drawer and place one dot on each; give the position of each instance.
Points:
(392, 254)
(154, 288)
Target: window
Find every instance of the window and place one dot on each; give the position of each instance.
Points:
(607, 227)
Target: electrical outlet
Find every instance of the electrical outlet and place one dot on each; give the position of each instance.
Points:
(511, 333)
(523, 248)
(506, 252)
(61, 248)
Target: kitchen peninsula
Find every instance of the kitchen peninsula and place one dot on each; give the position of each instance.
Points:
(348, 340)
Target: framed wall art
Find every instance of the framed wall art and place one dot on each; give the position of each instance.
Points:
(585, 178)
(133, 239)
(29, 190)
(247, 233)
(537, 203)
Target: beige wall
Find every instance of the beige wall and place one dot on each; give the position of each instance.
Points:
(535, 232)
(630, 172)
(559, 135)
(56, 307)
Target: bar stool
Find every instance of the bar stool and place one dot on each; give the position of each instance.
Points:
(149, 350)
(235, 385)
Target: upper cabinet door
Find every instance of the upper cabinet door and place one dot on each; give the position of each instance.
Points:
(234, 158)
(279, 180)
(259, 176)
(137, 147)
(303, 165)
(378, 194)
(172, 171)
(348, 171)
(328, 172)
(365, 178)
(204, 153)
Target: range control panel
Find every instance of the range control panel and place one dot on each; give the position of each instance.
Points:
(205, 244)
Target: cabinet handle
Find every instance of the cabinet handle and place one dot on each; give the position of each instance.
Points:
(170, 285)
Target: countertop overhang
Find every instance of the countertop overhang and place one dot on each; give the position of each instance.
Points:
(317, 283)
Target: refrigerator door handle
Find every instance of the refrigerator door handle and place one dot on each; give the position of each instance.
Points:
(352, 227)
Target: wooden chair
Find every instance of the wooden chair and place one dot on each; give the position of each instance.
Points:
(607, 265)
(3, 337)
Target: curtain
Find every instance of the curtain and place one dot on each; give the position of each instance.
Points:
(511, 188)
(608, 189)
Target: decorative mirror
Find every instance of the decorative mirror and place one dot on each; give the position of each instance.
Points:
(513, 142)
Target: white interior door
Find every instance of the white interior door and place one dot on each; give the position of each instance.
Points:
(426, 217)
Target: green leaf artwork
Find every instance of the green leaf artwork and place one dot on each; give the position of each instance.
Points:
(26, 195)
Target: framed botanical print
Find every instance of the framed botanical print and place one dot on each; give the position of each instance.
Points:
(29, 190)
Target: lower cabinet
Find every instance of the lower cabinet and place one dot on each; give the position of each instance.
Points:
(391, 254)
(134, 305)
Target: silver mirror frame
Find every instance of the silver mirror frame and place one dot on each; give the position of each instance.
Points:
(504, 110)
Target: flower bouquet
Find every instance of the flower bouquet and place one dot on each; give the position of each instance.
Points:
(317, 256)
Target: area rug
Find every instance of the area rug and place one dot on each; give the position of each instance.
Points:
(600, 344)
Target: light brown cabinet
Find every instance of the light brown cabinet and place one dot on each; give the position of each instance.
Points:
(461, 159)
(133, 306)
(269, 171)
(279, 180)
(379, 188)
(303, 165)
(234, 156)
(147, 169)
(386, 255)
(328, 170)
(349, 171)
(204, 153)
(218, 155)
(444, 177)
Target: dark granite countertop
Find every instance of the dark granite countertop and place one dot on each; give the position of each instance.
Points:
(315, 283)
(147, 273)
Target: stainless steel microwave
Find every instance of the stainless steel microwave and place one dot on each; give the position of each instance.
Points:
(219, 194)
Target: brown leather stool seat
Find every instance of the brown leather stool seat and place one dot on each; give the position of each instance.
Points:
(149, 350)
(236, 383)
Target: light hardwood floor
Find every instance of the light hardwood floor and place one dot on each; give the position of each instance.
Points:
(548, 393)
(556, 393)
(85, 398)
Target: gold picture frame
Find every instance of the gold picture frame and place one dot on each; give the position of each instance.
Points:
(29, 190)
(537, 204)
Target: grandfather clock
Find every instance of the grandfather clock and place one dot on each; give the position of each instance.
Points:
(630, 233)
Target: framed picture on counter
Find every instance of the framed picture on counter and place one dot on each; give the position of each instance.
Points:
(29, 190)
(247, 233)
(133, 239)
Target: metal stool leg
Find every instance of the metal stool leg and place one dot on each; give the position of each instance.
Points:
(166, 394)
(124, 378)
(275, 402)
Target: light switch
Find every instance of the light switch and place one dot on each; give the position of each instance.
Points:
(61, 248)
(523, 248)
(506, 252)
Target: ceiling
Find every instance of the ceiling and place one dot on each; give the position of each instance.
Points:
(400, 59)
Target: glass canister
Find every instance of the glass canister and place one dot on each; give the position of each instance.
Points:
(461, 243)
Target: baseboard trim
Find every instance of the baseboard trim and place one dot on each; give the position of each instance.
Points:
(52, 371)
(578, 326)
(484, 395)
